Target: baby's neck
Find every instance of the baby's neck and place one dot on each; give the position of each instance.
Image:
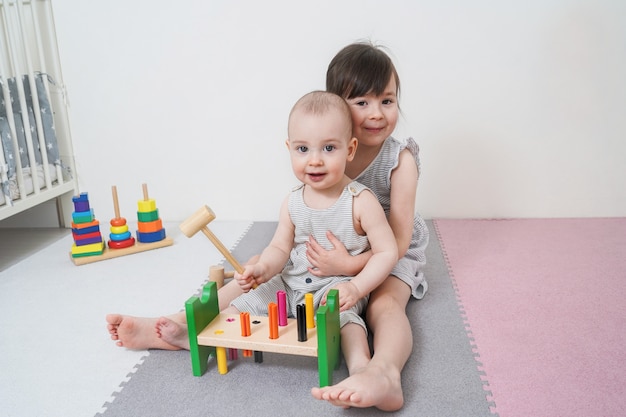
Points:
(321, 199)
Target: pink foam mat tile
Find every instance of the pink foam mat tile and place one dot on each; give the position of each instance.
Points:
(544, 303)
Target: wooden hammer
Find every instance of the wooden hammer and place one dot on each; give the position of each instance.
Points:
(198, 223)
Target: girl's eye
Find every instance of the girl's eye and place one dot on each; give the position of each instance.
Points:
(388, 101)
(361, 103)
(329, 148)
(302, 149)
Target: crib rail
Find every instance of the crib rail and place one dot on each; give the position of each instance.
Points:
(36, 156)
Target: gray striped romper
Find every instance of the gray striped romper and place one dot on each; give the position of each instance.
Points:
(295, 278)
(377, 177)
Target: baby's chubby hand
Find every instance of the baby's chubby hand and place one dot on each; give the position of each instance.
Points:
(349, 294)
(250, 277)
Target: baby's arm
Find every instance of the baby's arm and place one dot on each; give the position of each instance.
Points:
(274, 256)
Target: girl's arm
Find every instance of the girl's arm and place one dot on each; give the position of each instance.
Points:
(370, 217)
(338, 261)
(402, 207)
(274, 256)
(335, 261)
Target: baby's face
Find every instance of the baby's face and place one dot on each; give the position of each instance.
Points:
(320, 145)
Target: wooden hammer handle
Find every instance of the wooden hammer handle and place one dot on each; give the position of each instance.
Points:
(220, 246)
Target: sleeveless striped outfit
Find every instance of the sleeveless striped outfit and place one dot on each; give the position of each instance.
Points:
(377, 177)
(295, 278)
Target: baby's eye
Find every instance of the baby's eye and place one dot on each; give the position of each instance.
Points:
(329, 148)
(302, 149)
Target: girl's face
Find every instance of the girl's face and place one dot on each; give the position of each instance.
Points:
(320, 145)
(374, 117)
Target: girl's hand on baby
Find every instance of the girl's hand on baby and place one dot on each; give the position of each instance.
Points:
(324, 262)
(348, 295)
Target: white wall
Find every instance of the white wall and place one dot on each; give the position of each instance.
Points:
(519, 107)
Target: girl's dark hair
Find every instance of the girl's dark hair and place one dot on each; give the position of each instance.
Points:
(359, 69)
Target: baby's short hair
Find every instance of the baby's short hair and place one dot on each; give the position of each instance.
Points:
(319, 102)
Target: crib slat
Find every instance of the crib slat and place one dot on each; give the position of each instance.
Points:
(29, 65)
(44, 70)
(21, 23)
(14, 65)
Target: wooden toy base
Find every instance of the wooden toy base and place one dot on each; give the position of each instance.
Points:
(208, 329)
(225, 331)
(114, 253)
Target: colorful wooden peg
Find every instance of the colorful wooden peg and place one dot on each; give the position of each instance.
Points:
(120, 237)
(301, 321)
(118, 221)
(281, 297)
(273, 320)
(222, 364)
(146, 205)
(310, 313)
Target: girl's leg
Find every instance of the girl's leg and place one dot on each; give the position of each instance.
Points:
(379, 384)
(139, 332)
(177, 334)
(146, 332)
(356, 352)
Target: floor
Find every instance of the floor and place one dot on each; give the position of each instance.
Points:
(17, 244)
(74, 367)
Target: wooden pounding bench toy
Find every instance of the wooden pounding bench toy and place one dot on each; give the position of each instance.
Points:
(150, 233)
(211, 332)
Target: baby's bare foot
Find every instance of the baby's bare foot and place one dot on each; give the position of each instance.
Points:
(136, 332)
(172, 332)
(369, 387)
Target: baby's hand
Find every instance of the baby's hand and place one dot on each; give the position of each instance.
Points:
(348, 295)
(248, 279)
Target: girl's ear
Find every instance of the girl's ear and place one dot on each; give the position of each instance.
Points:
(352, 145)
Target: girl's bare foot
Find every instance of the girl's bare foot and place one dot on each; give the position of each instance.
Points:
(172, 332)
(136, 332)
(369, 387)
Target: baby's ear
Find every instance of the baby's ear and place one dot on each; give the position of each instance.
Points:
(287, 143)
(352, 145)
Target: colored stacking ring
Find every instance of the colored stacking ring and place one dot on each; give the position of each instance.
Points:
(151, 237)
(113, 244)
(148, 216)
(119, 221)
(146, 206)
(81, 206)
(149, 227)
(119, 229)
(119, 236)
(82, 216)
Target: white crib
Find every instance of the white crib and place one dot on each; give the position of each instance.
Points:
(36, 154)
